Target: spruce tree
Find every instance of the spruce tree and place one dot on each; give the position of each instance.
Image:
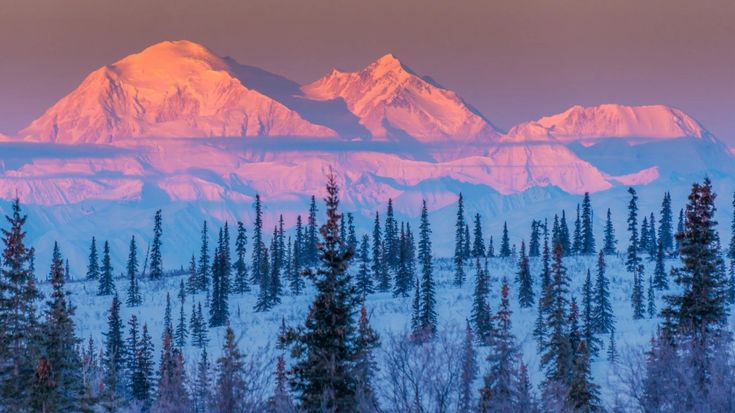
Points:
(230, 386)
(583, 393)
(652, 239)
(428, 302)
(651, 298)
(274, 285)
(379, 268)
(142, 381)
(698, 311)
(602, 313)
(311, 248)
(93, 265)
(192, 279)
(524, 280)
(324, 348)
(258, 246)
(390, 244)
(577, 234)
(588, 317)
(499, 390)
(404, 276)
(168, 327)
(198, 327)
(633, 260)
(660, 279)
(416, 309)
(58, 385)
(351, 233)
(106, 283)
(172, 393)
(133, 294)
(645, 233)
(181, 332)
(490, 248)
(156, 254)
(480, 317)
(478, 245)
(610, 247)
(18, 323)
(666, 224)
(679, 229)
(505, 242)
(556, 358)
(364, 278)
(534, 245)
(469, 370)
(612, 351)
(204, 260)
(564, 233)
(636, 298)
(588, 236)
(365, 368)
(201, 387)
(114, 359)
(264, 301)
(459, 243)
(240, 284)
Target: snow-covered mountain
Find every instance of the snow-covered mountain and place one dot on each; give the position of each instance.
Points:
(155, 130)
(171, 89)
(393, 102)
(634, 124)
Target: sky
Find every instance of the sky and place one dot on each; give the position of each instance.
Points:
(513, 60)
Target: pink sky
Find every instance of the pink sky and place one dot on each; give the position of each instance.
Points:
(513, 60)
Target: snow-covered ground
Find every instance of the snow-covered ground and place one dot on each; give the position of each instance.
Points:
(257, 331)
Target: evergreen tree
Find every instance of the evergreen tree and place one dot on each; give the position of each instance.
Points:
(577, 234)
(365, 366)
(204, 260)
(633, 260)
(325, 347)
(478, 246)
(480, 317)
(651, 298)
(296, 282)
(201, 388)
(428, 302)
(652, 240)
(93, 266)
(156, 255)
(58, 385)
(645, 233)
(198, 328)
(698, 311)
(142, 380)
(192, 280)
(172, 394)
(564, 234)
(534, 245)
(114, 359)
(390, 245)
(602, 313)
(636, 298)
(490, 248)
(416, 309)
(588, 236)
(264, 301)
(18, 323)
(219, 312)
(274, 284)
(556, 358)
(524, 280)
(167, 320)
(311, 248)
(499, 390)
(660, 279)
(258, 246)
(505, 242)
(610, 247)
(544, 303)
(612, 351)
(380, 270)
(240, 284)
(351, 234)
(583, 393)
(364, 278)
(404, 276)
(588, 317)
(459, 243)
(281, 401)
(181, 332)
(679, 228)
(665, 224)
(230, 385)
(469, 370)
(106, 283)
(133, 297)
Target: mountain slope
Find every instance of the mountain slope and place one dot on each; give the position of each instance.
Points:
(171, 89)
(635, 124)
(394, 103)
